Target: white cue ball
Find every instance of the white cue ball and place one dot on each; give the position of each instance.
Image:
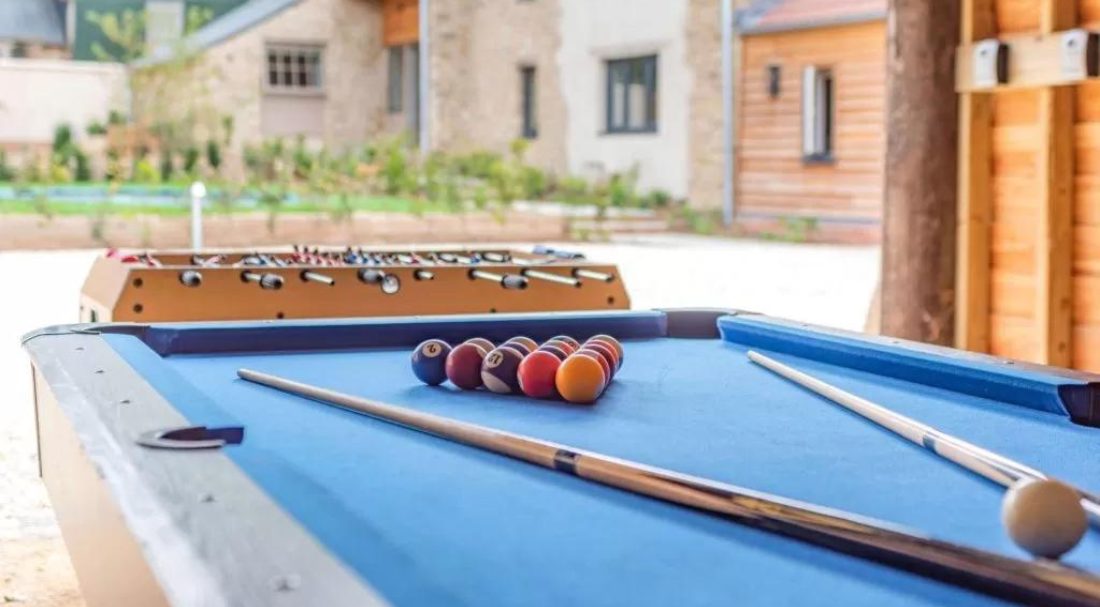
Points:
(1044, 517)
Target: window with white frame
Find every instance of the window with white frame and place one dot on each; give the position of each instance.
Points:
(818, 109)
(294, 67)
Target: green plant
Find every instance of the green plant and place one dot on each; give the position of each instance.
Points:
(95, 129)
(114, 171)
(535, 183)
(214, 155)
(574, 190)
(167, 166)
(621, 188)
(191, 161)
(82, 167)
(62, 139)
(7, 173)
(116, 118)
(32, 171)
(657, 199)
(124, 30)
(397, 173)
(145, 172)
(797, 229)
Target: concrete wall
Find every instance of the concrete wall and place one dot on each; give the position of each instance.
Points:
(36, 95)
(594, 32)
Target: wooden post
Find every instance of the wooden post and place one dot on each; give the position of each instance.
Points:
(918, 248)
(975, 201)
(1054, 245)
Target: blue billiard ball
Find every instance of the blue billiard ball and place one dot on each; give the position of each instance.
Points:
(429, 361)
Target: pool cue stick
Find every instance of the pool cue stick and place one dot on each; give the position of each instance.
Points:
(993, 466)
(1039, 582)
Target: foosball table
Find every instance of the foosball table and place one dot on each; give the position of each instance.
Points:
(305, 282)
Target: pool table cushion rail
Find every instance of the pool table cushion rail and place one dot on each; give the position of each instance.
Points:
(1064, 392)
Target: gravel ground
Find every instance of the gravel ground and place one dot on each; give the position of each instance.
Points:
(829, 285)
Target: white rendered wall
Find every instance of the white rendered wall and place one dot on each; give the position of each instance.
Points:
(593, 32)
(36, 95)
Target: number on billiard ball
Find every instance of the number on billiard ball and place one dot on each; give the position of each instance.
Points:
(499, 370)
(429, 361)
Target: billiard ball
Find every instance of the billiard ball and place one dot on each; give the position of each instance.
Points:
(569, 340)
(606, 351)
(529, 343)
(518, 347)
(555, 350)
(464, 366)
(1044, 517)
(481, 341)
(537, 374)
(580, 379)
(611, 341)
(604, 362)
(429, 361)
(565, 346)
(499, 370)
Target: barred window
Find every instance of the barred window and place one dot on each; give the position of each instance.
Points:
(294, 67)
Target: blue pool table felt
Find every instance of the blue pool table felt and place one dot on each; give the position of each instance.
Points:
(426, 521)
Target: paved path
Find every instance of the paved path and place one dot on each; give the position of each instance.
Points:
(830, 285)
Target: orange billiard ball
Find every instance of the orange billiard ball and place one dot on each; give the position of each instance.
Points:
(581, 378)
(607, 365)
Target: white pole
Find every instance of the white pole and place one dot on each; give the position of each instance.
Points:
(727, 112)
(198, 194)
(425, 96)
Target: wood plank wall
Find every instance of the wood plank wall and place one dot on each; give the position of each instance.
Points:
(771, 177)
(400, 22)
(1044, 262)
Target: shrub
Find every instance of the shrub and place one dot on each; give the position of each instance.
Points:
(658, 199)
(6, 171)
(82, 167)
(167, 166)
(95, 129)
(62, 139)
(574, 190)
(477, 164)
(214, 155)
(397, 175)
(59, 172)
(116, 118)
(191, 161)
(144, 172)
(534, 183)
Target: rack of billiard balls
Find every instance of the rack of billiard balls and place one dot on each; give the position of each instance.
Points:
(560, 367)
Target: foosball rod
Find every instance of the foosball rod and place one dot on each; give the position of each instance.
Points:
(1032, 582)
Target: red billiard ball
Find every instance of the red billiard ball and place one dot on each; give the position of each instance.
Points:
(569, 340)
(527, 342)
(604, 363)
(481, 341)
(565, 346)
(555, 350)
(537, 374)
(580, 379)
(464, 366)
(499, 370)
(606, 351)
(429, 361)
(611, 341)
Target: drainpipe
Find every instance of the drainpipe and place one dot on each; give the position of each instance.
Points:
(728, 168)
(425, 97)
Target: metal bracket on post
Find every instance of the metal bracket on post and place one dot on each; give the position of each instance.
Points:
(990, 63)
(1078, 57)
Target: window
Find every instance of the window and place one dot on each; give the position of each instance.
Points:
(294, 67)
(527, 91)
(632, 95)
(817, 115)
(394, 82)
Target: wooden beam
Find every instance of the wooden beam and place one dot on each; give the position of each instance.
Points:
(975, 170)
(919, 226)
(1067, 56)
(1054, 246)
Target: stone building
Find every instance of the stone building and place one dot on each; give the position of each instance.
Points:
(597, 88)
(33, 29)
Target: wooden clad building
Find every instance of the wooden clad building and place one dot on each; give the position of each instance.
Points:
(811, 116)
(1028, 280)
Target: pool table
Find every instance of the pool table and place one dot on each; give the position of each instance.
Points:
(321, 506)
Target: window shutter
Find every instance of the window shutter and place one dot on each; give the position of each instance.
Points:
(809, 110)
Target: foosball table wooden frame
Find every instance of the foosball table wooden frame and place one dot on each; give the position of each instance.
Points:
(331, 283)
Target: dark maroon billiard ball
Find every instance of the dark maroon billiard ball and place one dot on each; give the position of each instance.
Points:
(555, 350)
(569, 340)
(606, 351)
(518, 347)
(527, 342)
(499, 370)
(429, 361)
(464, 366)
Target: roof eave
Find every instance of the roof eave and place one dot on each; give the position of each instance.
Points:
(810, 24)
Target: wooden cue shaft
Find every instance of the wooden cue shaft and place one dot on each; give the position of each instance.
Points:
(988, 464)
(1044, 582)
